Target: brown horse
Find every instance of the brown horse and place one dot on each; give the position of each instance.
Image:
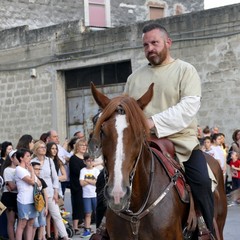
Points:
(142, 200)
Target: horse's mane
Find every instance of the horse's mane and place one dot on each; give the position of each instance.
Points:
(134, 114)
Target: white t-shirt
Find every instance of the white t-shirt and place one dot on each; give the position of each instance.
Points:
(211, 152)
(49, 174)
(9, 176)
(89, 191)
(219, 155)
(25, 190)
(63, 154)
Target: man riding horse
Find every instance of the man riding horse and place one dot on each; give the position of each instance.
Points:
(172, 111)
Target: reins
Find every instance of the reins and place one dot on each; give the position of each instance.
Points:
(132, 174)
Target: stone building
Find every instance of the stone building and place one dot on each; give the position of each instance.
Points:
(45, 73)
(91, 13)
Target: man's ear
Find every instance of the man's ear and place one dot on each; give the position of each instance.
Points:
(169, 42)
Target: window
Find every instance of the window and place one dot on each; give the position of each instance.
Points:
(106, 74)
(156, 12)
(97, 13)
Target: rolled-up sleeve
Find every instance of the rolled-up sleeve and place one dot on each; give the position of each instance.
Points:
(177, 117)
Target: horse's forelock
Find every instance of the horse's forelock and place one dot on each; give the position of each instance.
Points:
(106, 114)
(136, 118)
(134, 115)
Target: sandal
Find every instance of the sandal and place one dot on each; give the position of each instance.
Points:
(81, 225)
(77, 231)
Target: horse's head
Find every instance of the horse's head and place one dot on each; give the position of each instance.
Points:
(94, 144)
(120, 131)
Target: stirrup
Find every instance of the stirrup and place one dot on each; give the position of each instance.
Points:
(207, 237)
(203, 231)
(187, 235)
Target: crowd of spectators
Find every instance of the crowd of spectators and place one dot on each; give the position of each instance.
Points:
(212, 142)
(54, 167)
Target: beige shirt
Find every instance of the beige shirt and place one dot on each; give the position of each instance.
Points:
(176, 100)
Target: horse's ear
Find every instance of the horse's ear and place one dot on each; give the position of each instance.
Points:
(100, 98)
(146, 98)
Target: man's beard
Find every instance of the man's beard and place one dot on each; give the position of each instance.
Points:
(157, 58)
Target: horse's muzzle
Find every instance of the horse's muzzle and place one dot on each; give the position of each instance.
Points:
(117, 201)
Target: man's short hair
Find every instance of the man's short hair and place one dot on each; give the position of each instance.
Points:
(154, 25)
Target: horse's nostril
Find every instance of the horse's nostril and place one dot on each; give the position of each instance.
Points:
(128, 192)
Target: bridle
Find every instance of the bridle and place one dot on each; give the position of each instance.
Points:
(121, 111)
(127, 214)
(135, 217)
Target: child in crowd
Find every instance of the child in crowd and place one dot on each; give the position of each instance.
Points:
(40, 220)
(235, 170)
(207, 146)
(88, 178)
(219, 153)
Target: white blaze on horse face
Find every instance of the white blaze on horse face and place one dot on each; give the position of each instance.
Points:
(118, 192)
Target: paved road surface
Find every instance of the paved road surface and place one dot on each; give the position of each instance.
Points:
(231, 230)
(232, 226)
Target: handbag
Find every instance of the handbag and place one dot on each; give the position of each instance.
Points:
(39, 202)
(2, 208)
(60, 198)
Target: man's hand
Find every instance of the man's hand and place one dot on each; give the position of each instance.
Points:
(150, 123)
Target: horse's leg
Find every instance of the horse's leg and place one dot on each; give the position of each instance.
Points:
(220, 199)
(117, 227)
(220, 208)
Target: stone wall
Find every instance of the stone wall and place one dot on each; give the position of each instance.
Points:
(39, 13)
(42, 13)
(207, 39)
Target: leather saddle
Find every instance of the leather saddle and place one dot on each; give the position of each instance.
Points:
(165, 152)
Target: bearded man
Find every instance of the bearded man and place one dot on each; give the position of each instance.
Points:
(172, 110)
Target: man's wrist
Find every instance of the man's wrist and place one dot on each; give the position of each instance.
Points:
(150, 122)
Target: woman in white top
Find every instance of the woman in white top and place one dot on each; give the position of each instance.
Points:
(219, 156)
(49, 174)
(9, 196)
(25, 180)
(52, 152)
